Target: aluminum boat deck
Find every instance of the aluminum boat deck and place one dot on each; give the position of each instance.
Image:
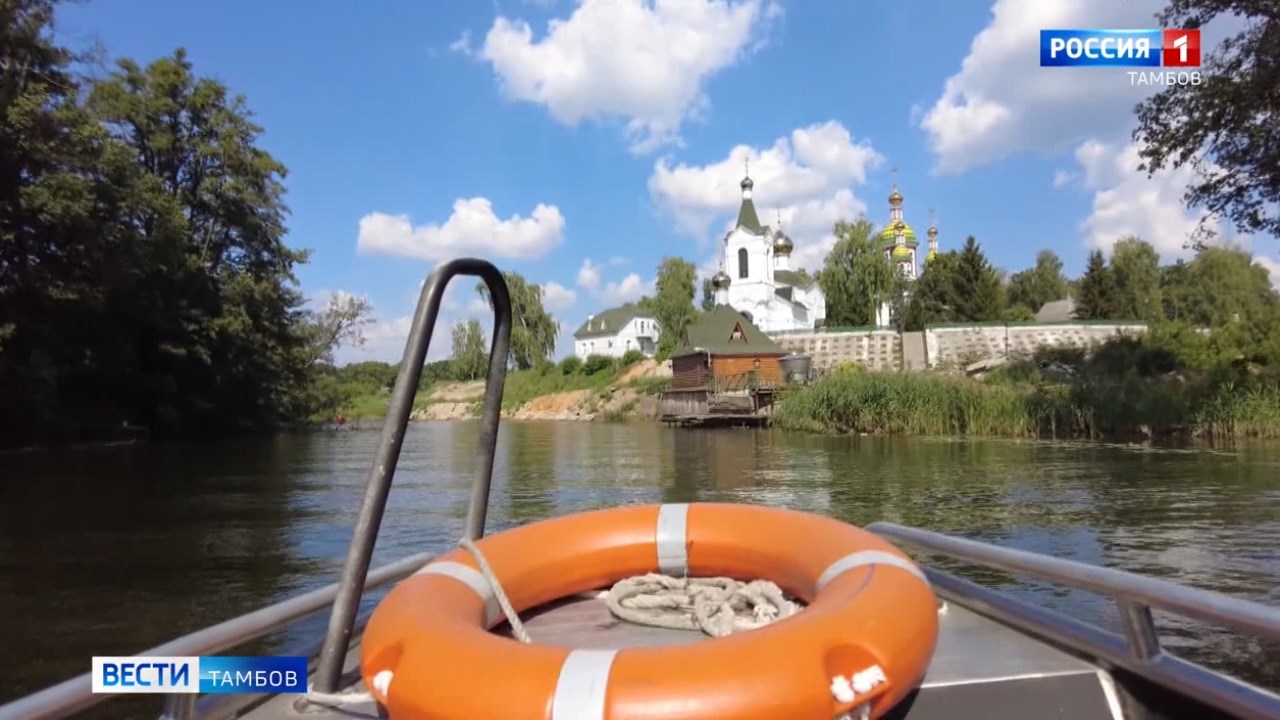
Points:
(997, 658)
(981, 669)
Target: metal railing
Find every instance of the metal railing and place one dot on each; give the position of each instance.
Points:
(344, 596)
(1138, 650)
(341, 623)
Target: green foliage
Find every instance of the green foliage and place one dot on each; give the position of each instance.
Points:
(470, 357)
(708, 295)
(1036, 286)
(1122, 393)
(533, 329)
(896, 403)
(1135, 270)
(143, 255)
(978, 296)
(595, 364)
(955, 287)
(571, 365)
(856, 277)
(630, 357)
(1097, 297)
(933, 296)
(1226, 126)
(1019, 313)
(525, 385)
(672, 302)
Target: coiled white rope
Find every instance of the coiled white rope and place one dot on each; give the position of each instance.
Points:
(717, 606)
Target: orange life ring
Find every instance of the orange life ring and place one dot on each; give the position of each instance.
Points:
(866, 635)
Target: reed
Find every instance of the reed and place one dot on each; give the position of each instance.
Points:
(1094, 405)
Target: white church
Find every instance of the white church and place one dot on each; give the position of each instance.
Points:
(756, 278)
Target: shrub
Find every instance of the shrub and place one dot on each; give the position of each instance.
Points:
(571, 365)
(596, 363)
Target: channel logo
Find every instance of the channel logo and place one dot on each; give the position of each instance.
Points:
(1120, 48)
(209, 674)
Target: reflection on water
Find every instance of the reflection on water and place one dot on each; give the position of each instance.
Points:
(114, 551)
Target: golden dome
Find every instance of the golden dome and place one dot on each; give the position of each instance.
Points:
(895, 197)
(720, 280)
(929, 256)
(901, 252)
(932, 232)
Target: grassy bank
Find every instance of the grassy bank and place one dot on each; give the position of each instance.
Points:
(366, 388)
(1093, 400)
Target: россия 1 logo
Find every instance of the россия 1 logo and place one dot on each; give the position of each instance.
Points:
(1127, 49)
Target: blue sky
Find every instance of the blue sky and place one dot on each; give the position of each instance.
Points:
(578, 143)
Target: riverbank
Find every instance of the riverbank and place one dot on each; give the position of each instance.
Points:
(567, 391)
(1027, 400)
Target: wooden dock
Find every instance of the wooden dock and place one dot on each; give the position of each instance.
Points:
(716, 420)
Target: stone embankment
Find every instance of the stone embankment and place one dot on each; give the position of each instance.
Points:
(461, 401)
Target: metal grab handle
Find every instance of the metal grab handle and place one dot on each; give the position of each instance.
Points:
(350, 588)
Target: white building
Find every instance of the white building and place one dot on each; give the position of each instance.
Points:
(613, 332)
(756, 277)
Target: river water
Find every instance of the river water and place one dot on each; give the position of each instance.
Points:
(111, 551)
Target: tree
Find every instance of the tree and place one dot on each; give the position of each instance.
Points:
(1135, 269)
(1227, 127)
(934, 297)
(977, 285)
(143, 251)
(1097, 297)
(708, 295)
(672, 302)
(856, 277)
(340, 322)
(1036, 286)
(470, 357)
(533, 331)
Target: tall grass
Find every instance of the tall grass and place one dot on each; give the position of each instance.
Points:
(1094, 405)
(892, 403)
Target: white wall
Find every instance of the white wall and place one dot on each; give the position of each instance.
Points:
(949, 345)
(759, 258)
(641, 333)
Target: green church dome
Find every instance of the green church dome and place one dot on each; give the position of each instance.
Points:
(890, 233)
(901, 252)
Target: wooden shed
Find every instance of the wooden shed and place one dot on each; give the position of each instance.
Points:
(724, 348)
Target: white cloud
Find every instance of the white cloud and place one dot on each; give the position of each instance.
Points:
(629, 289)
(639, 61)
(1002, 102)
(557, 297)
(589, 276)
(1126, 202)
(806, 178)
(472, 229)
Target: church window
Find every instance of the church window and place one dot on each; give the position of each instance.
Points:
(742, 263)
(737, 333)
